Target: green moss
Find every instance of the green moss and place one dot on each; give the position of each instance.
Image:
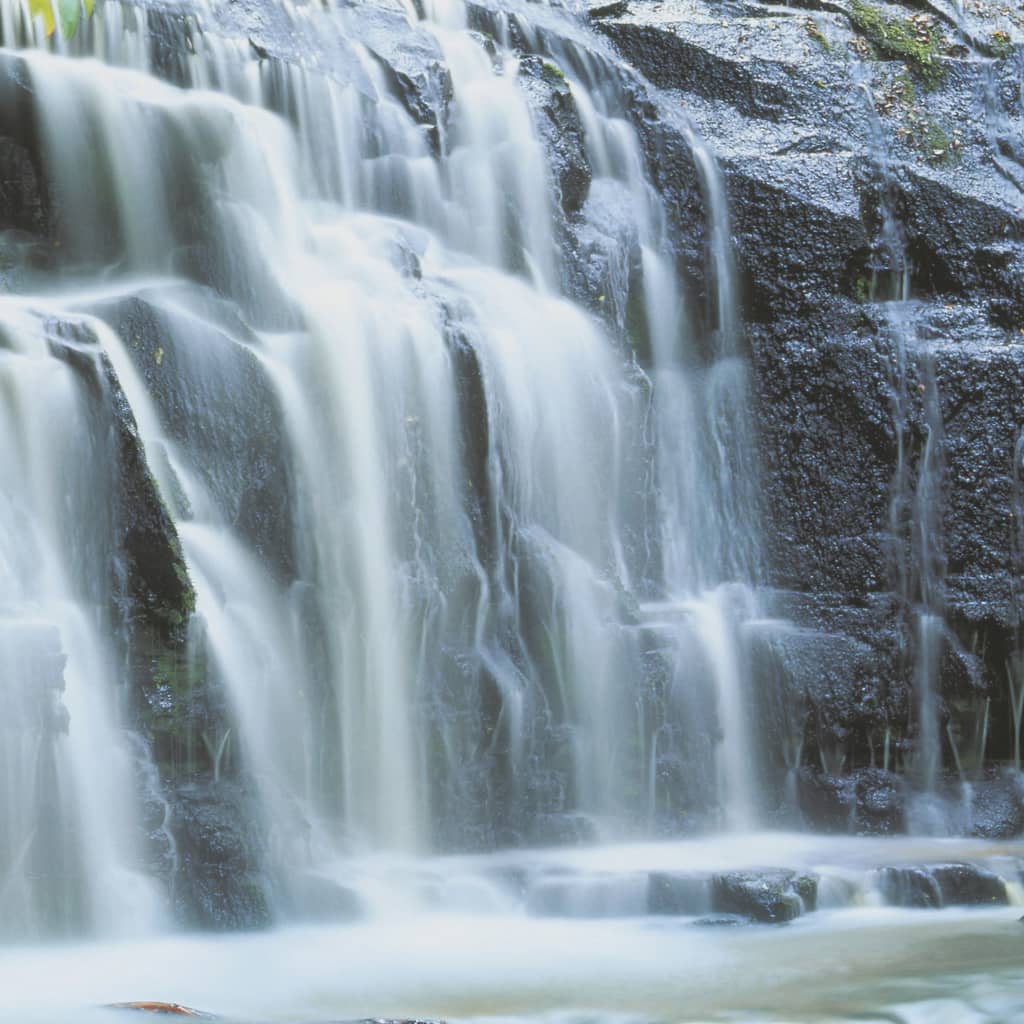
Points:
(862, 289)
(917, 43)
(189, 595)
(553, 73)
(904, 90)
(936, 145)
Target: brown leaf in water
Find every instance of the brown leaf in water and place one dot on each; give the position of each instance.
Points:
(166, 1008)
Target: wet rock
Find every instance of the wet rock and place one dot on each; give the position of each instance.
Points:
(164, 1009)
(21, 201)
(798, 133)
(997, 808)
(910, 887)
(865, 801)
(151, 582)
(945, 885)
(769, 897)
(588, 896)
(599, 9)
(27, 206)
(216, 402)
(967, 885)
(414, 68)
(560, 128)
(219, 884)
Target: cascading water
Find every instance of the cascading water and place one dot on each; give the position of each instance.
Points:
(443, 636)
(69, 851)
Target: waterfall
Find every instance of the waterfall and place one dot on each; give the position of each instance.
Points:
(471, 555)
(68, 857)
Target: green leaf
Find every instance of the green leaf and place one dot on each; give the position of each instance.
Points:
(43, 9)
(70, 15)
(89, 5)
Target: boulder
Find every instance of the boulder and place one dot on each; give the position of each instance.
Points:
(997, 807)
(944, 885)
(910, 887)
(965, 885)
(768, 897)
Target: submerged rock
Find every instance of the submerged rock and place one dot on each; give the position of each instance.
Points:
(669, 893)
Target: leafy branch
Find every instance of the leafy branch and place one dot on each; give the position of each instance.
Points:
(68, 11)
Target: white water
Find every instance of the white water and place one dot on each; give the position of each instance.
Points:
(475, 955)
(66, 846)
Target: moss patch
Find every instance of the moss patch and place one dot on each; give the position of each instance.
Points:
(916, 40)
(553, 74)
(1000, 44)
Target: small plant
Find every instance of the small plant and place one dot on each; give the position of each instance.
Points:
(217, 748)
(915, 40)
(1000, 44)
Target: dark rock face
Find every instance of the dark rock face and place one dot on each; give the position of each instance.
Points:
(819, 133)
(150, 582)
(997, 808)
(866, 801)
(559, 125)
(218, 885)
(214, 398)
(202, 841)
